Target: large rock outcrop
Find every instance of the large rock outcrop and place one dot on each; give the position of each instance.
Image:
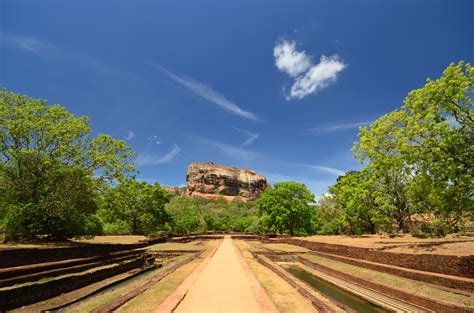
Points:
(211, 181)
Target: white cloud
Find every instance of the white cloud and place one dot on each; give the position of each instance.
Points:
(235, 152)
(147, 159)
(318, 77)
(252, 136)
(309, 78)
(206, 92)
(130, 135)
(290, 61)
(338, 127)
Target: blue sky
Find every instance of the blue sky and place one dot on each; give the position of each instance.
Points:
(276, 86)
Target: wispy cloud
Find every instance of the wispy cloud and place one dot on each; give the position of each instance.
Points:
(229, 150)
(325, 169)
(206, 92)
(147, 159)
(27, 44)
(337, 127)
(51, 51)
(251, 136)
(309, 78)
(130, 135)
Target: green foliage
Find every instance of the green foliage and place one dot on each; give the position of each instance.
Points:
(135, 208)
(354, 193)
(195, 215)
(288, 208)
(51, 169)
(420, 161)
(331, 213)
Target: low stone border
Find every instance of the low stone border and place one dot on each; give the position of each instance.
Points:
(317, 304)
(398, 294)
(118, 302)
(264, 301)
(175, 298)
(40, 267)
(117, 282)
(25, 256)
(63, 270)
(29, 294)
(431, 278)
(462, 266)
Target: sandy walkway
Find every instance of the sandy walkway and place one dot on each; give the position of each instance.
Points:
(225, 284)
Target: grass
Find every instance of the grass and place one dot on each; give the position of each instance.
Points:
(406, 285)
(113, 239)
(284, 247)
(155, 294)
(152, 297)
(286, 298)
(47, 279)
(193, 245)
(452, 244)
(102, 298)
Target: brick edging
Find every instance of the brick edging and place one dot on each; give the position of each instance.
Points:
(397, 294)
(175, 298)
(118, 302)
(317, 304)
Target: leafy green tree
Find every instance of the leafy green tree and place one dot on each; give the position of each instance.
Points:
(187, 216)
(139, 205)
(354, 193)
(289, 206)
(427, 147)
(332, 215)
(51, 168)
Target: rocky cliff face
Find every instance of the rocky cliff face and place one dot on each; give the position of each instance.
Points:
(211, 181)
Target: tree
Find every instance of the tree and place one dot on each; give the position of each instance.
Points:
(354, 195)
(51, 168)
(139, 205)
(289, 206)
(430, 139)
(196, 215)
(331, 213)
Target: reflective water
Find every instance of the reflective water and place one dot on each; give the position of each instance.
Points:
(354, 302)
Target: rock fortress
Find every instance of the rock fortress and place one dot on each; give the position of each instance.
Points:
(212, 181)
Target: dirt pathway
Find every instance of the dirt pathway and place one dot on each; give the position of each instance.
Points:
(223, 284)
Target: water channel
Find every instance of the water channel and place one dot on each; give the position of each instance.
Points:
(342, 296)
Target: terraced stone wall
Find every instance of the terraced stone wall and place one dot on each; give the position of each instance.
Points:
(462, 266)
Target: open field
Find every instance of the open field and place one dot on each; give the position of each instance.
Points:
(113, 239)
(449, 245)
